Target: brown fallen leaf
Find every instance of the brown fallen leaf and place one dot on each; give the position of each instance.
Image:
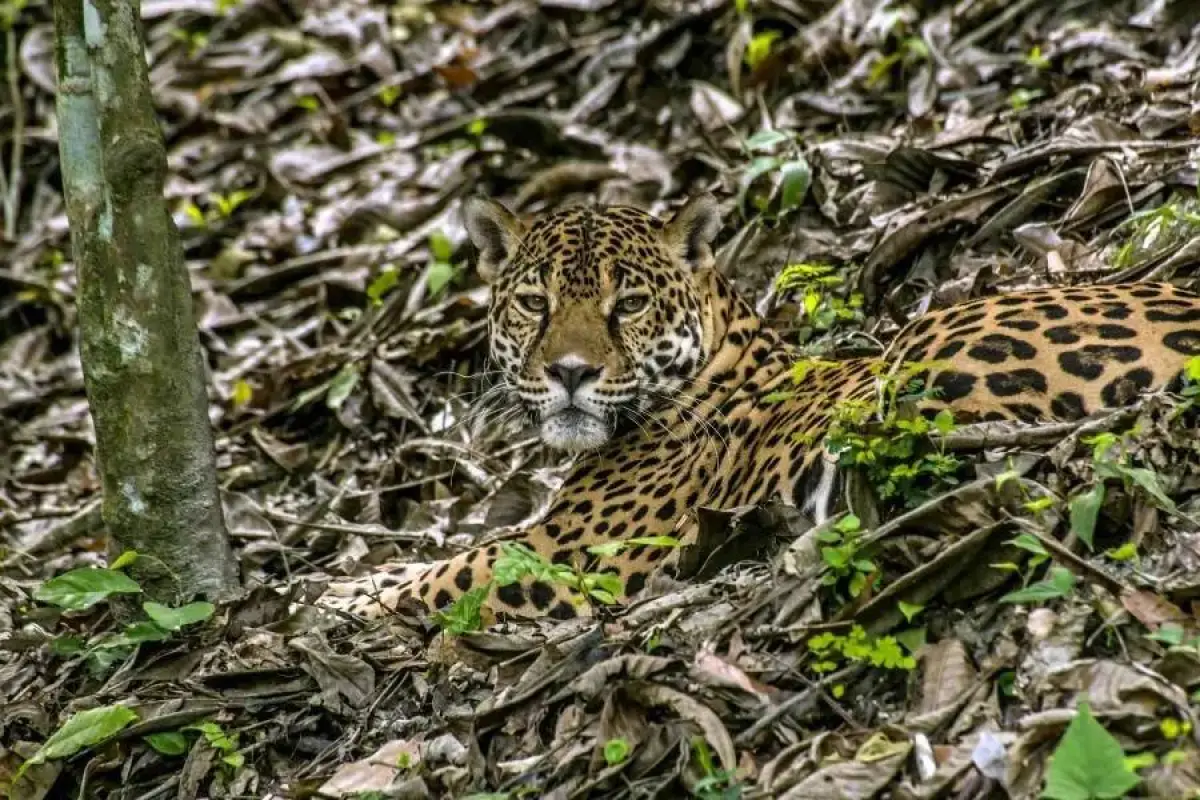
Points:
(1150, 608)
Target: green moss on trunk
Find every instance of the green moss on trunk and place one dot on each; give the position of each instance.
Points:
(142, 362)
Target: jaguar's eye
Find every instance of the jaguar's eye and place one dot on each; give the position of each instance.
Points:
(532, 303)
(632, 304)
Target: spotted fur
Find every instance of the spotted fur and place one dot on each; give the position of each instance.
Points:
(669, 398)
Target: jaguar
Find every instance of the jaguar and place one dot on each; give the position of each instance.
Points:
(626, 347)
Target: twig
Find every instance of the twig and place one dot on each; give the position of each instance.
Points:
(377, 531)
(87, 521)
(13, 197)
(795, 703)
(984, 435)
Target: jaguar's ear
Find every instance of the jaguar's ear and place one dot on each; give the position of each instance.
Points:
(494, 230)
(690, 232)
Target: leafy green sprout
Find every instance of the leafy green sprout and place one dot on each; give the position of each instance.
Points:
(388, 95)
(1036, 60)
(194, 41)
(82, 589)
(910, 52)
(1020, 99)
(758, 49)
(817, 285)
(1155, 230)
(220, 207)
(439, 274)
(889, 439)
(778, 154)
(1110, 461)
(616, 751)
(516, 563)
(831, 650)
(840, 550)
(1088, 763)
(714, 783)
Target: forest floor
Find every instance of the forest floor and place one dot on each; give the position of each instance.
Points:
(895, 157)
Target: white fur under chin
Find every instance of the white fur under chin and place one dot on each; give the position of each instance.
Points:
(575, 431)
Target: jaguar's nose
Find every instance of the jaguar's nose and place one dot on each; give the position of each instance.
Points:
(572, 373)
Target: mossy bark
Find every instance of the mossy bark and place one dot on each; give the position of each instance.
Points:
(142, 363)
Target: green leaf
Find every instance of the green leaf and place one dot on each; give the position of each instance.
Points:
(616, 751)
(1126, 552)
(655, 541)
(1062, 579)
(1039, 504)
(848, 524)
(1029, 542)
(84, 588)
(1192, 368)
(215, 735)
(757, 168)
(835, 557)
(1085, 508)
(172, 619)
(1138, 761)
(341, 386)
(764, 141)
(65, 646)
(606, 549)
(438, 276)
(909, 610)
(604, 586)
(134, 634)
(81, 731)
(760, 47)
(1144, 478)
(440, 246)
(1088, 763)
(1169, 633)
(944, 421)
(463, 615)
(124, 560)
(913, 639)
(169, 743)
(1005, 477)
(388, 95)
(243, 393)
(795, 178)
(195, 215)
(515, 562)
(384, 282)
(1059, 584)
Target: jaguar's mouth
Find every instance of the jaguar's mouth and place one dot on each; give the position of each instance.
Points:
(575, 430)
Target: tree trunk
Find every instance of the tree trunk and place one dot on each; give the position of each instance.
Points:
(142, 364)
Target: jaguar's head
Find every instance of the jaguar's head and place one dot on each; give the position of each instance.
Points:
(596, 312)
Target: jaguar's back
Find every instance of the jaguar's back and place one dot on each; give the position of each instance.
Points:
(1054, 353)
(619, 339)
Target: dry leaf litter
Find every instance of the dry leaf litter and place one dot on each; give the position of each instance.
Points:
(318, 154)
